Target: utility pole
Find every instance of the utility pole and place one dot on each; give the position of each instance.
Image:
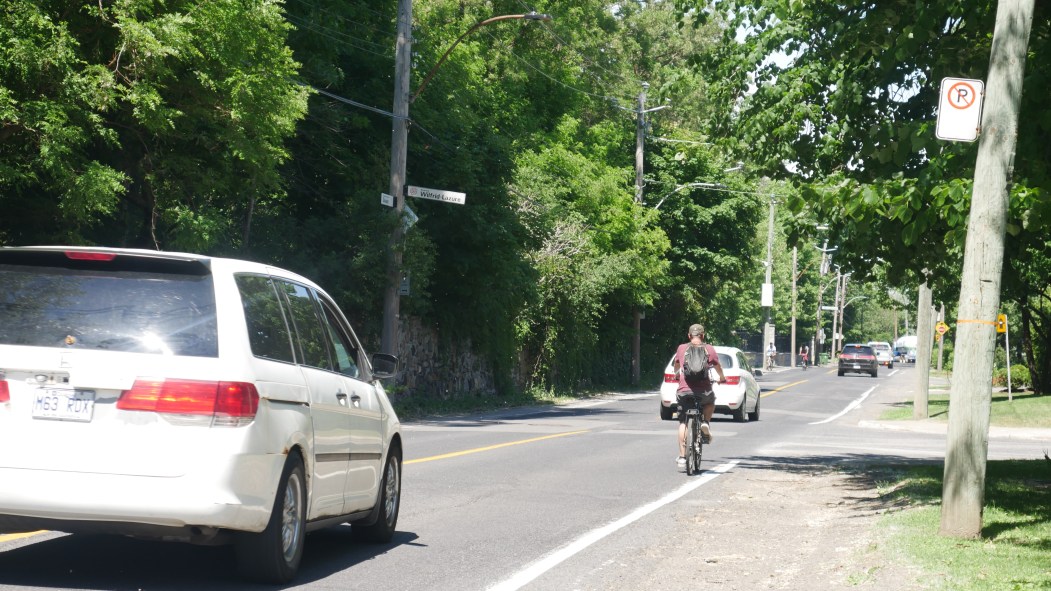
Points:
(924, 332)
(768, 286)
(842, 312)
(941, 340)
(815, 351)
(970, 397)
(399, 146)
(835, 314)
(795, 262)
(636, 312)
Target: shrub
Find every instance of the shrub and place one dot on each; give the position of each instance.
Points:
(1020, 377)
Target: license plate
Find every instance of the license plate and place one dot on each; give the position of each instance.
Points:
(856, 366)
(63, 404)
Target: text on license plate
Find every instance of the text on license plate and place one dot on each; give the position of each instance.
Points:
(857, 366)
(63, 404)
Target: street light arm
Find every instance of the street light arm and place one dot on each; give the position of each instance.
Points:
(532, 16)
(689, 186)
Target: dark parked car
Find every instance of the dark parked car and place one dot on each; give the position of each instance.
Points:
(857, 358)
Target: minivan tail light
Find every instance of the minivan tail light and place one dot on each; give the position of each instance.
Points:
(733, 380)
(79, 255)
(670, 378)
(5, 392)
(228, 403)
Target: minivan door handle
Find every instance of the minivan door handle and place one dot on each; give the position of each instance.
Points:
(342, 398)
(356, 400)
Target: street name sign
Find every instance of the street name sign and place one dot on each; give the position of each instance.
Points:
(959, 109)
(437, 195)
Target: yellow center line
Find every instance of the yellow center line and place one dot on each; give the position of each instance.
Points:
(9, 537)
(491, 447)
(769, 392)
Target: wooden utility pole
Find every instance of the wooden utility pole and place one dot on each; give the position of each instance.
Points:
(636, 312)
(923, 353)
(941, 340)
(970, 397)
(399, 147)
(792, 350)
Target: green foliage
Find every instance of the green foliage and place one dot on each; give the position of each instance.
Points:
(1020, 378)
(590, 244)
(118, 118)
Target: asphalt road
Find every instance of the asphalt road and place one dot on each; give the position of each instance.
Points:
(527, 498)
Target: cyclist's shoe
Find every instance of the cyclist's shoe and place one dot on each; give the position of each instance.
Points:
(681, 463)
(706, 433)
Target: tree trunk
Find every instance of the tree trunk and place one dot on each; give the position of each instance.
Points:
(970, 397)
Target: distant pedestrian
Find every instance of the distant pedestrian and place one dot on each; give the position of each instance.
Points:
(771, 355)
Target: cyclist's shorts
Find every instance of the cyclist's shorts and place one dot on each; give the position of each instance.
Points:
(687, 399)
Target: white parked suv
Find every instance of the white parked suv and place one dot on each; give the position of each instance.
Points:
(183, 397)
(884, 353)
(739, 397)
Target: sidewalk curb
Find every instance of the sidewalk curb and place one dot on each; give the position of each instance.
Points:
(941, 428)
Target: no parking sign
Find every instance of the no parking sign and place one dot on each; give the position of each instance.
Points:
(960, 109)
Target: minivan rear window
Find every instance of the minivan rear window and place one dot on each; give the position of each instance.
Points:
(134, 311)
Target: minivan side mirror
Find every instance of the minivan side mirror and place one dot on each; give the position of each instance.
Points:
(756, 372)
(384, 365)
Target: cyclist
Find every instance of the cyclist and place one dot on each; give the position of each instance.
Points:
(804, 355)
(701, 389)
(771, 355)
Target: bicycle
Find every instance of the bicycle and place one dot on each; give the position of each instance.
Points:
(694, 438)
(804, 362)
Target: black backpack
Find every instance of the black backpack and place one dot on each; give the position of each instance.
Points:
(695, 363)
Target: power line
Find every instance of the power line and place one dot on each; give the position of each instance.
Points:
(550, 29)
(538, 70)
(354, 103)
(337, 36)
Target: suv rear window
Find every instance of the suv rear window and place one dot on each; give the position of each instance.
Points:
(122, 308)
(858, 350)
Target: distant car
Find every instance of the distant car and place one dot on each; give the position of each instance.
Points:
(738, 397)
(188, 398)
(884, 353)
(858, 358)
(910, 355)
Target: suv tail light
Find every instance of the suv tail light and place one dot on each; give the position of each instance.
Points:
(5, 392)
(228, 403)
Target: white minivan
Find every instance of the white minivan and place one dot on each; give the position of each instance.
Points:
(182, 397)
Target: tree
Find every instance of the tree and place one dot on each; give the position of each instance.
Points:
(137, 123)
(849, 114)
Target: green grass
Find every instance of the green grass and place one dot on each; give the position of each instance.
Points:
(1014, 551)
(1026, 409)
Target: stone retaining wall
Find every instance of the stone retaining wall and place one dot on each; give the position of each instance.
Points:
(433, 367)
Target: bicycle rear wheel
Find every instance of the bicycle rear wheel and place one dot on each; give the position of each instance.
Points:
(698, 445)
(693, 462)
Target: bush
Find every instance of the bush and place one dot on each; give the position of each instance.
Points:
(1020, 377)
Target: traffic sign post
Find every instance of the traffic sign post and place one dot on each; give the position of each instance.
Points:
(959, 109)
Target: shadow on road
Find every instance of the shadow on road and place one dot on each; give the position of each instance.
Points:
(123, 564)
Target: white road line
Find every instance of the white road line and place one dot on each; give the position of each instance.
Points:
(528, 574)
(849, 407)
